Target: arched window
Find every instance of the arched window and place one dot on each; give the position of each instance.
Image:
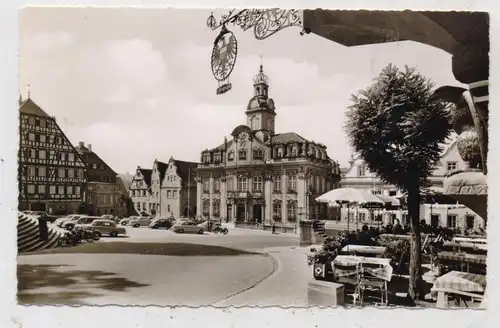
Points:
(280, 151)
(294, 151)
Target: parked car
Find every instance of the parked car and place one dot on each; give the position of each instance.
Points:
(126, 221)
(187, 227)
(140, 222)
(82, 221)
(72, 217)
(161, 223)
(106, 227)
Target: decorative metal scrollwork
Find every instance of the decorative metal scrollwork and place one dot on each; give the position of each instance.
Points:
(265, 22)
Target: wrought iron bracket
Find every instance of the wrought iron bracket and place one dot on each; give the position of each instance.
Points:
(265, 22)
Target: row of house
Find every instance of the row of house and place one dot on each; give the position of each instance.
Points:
(56, 177)
(166, 190)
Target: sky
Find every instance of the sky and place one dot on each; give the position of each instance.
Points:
(137, 83)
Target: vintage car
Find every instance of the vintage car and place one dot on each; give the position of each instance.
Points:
(161, 223)
(140, 222)
(72, 217)
(106, 227)
(187, 227)
(126, 221)
(79, 223)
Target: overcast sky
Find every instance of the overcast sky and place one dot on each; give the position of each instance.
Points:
(137, 83)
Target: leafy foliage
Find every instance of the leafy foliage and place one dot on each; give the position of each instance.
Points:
(398, 128)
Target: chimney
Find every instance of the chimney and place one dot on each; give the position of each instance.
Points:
(80, 144)
(89, 147)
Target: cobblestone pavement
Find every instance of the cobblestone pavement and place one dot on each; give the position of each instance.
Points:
(162, 280)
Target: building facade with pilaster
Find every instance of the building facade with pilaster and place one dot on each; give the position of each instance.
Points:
(262, 176)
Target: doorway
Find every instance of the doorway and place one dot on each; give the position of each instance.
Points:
(434, 220)
(257, 213)
(229, 216)
(240, 213)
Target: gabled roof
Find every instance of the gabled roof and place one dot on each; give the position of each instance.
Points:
(84, 152)
(29, 107)
(186, 170)
(146, 173)
(221, 147)
(162, 167)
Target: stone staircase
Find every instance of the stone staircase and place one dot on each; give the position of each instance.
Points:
(320, 231)
(28, 235)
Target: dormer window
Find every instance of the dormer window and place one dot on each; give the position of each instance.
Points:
(217, 157)
(280, 152)
(242, 154)
(206, 158)
(361, 170)
(258, 154)
(294, 151)
(230, 156)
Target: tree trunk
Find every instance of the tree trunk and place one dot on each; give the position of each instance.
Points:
(416, 283)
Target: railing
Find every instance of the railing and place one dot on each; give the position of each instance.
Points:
(267, 226)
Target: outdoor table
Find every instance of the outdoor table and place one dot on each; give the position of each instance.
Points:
(450, 245)
(363, 250)
(345, 261)
(460, 283)
(479, 241)
(464, 259)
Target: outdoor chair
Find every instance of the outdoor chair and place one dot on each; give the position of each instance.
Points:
(369, 282)
(348, 275)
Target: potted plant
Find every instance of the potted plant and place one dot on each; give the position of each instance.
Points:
(321, 259)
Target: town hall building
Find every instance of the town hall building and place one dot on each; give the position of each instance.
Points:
(259, 175)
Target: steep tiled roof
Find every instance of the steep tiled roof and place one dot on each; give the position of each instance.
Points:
(162, 167)
(87, 154)
(223, 146)
(29, 107)
(186, 170)
(286, 137)
(146, 173)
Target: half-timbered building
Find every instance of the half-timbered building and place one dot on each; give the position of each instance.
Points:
(262, 176)
(140, 190)
(51, 174)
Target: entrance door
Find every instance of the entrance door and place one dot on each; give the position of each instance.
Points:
(240, 212)
(257, 213)
(469, 221)
(434, 220)
(229, 216)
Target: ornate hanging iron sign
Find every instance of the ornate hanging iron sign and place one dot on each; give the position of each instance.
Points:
(224, 56)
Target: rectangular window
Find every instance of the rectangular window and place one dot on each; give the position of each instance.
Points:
(292, 183)
(277, 184)
(242, 184)
(41, 190)
(276, 209)
(361, 216)
(361, 170)
(61, 172)
(71, 173)
(206, 207)
(61, 190)
(32, 153)
(41, 171)
(206, 185)
(43, 138)
(229, 183)
(43, 123)
(94, 166)
(169, 193)
(42, 154)
(216, 185)
(257, 183)
(469, 221)
(31, 121)
(392, 193)
(242, 154)
(31, 136)
(31, 171)
(451, 221)
(451, 166)
(168, 208)
(216, 209)
(79, 174)
(70, 190)
(174, 194)
(31, 189)
(143, 206)
(77, 190)
(52, 190)
(62, 156)
(71, 157)
(292, 210)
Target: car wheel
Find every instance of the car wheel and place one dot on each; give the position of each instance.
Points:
(113, 234)
(180, 231)
(69, 227)
(97, 235)
(136, 225)
(200, 232)
(124, 223)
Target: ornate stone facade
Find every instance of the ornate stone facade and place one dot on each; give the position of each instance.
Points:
(259, 175)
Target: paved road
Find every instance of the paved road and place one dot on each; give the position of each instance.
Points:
(279, 278)
(236, 238)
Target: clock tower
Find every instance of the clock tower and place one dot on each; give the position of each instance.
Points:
(260, 110)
